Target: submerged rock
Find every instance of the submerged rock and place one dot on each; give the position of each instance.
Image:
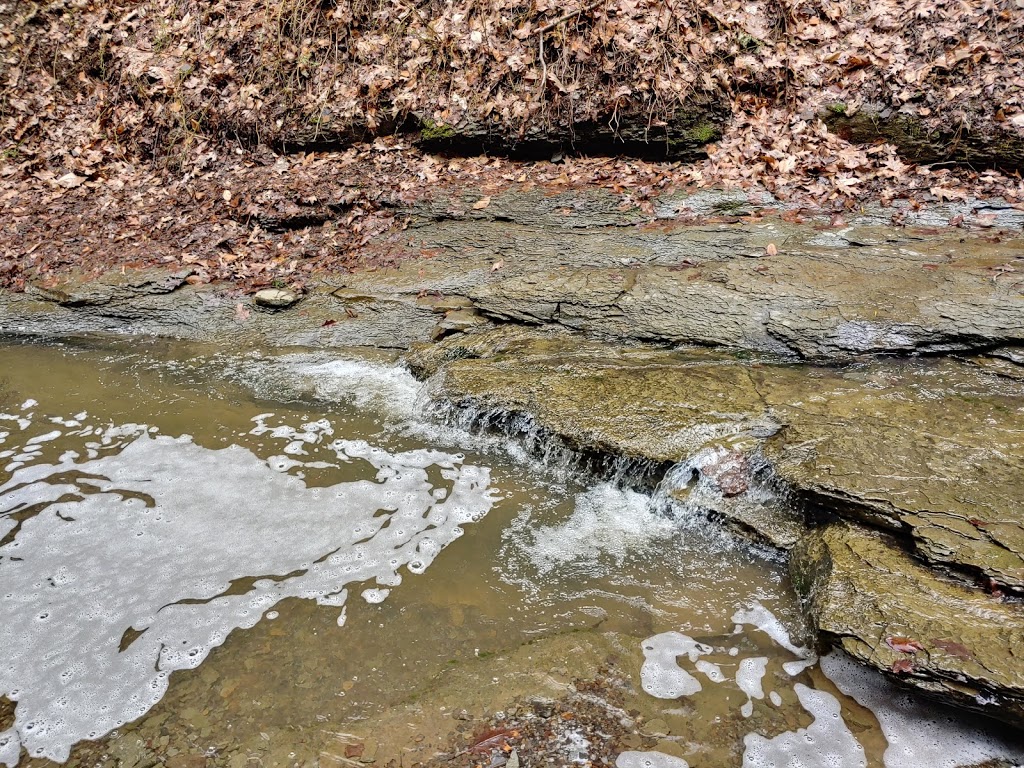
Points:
(869, 597)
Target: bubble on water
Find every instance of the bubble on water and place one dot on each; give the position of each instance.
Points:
(825, 742)
(222, 516)
(748, 678)
(661, 676)
(920, 734)
(649, 760)
(711, 671)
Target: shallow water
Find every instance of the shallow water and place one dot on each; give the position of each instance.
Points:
(210, 558)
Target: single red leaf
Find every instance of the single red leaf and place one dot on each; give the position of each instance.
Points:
(904, 644)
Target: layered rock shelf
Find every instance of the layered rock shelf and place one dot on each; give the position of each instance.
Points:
(850, 392)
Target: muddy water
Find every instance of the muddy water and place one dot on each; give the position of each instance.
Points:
(276, 560)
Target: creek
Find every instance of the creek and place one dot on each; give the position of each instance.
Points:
(216, 558)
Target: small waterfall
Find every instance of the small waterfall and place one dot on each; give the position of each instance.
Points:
(527, 440)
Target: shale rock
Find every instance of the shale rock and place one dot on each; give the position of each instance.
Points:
(933, 449)
(869, 597)
(926, 448)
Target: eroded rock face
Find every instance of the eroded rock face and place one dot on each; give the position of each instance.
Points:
(812, 304)
(869, 597)
(927, 448)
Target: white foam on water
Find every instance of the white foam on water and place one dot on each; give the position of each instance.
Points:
(920, 734)
(775, 698)
(155, 546)
(748, 678)
(794, 668)
(825, 743)
(649, 760)
(711, 671)
(660, 675)
(607, 523)
(10, 747)
(759, 617)
(387, 389)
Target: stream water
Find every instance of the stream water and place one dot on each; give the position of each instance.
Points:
(215, 558)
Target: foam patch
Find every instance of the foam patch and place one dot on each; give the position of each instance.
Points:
(920, 734)
(825, 743)
(660, 675)
(649, 760)
(124, 572)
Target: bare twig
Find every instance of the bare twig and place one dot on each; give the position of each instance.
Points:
(547, 28)
(566, 16)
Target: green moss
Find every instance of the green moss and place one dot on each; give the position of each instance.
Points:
(837, 108)
(702, 133)
(437, 131)
(748, 42)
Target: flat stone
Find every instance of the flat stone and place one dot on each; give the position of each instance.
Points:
(932, 449)
(646, 404)
(275, 298)
(865, 594)
(459, 321)
(78, 290)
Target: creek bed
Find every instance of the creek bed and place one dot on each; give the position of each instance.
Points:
(216, 558)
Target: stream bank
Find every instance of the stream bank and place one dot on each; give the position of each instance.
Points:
(853, 393)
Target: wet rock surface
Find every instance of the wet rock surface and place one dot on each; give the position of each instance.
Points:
(544, 310)
(930, 450)
(888, 611)
(927, 449)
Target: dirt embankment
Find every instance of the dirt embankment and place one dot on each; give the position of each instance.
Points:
(224, 137)
(749, 86)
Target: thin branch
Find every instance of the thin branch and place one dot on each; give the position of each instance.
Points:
(566, 16)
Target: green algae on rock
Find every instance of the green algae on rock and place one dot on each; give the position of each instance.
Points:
(873, 600)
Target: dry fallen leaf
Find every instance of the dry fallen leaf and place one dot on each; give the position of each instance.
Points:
(902, 666)
(482, 203)
(70, 181)
(904, 644)
(771, 250)
(954, 648)
(497, 265)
